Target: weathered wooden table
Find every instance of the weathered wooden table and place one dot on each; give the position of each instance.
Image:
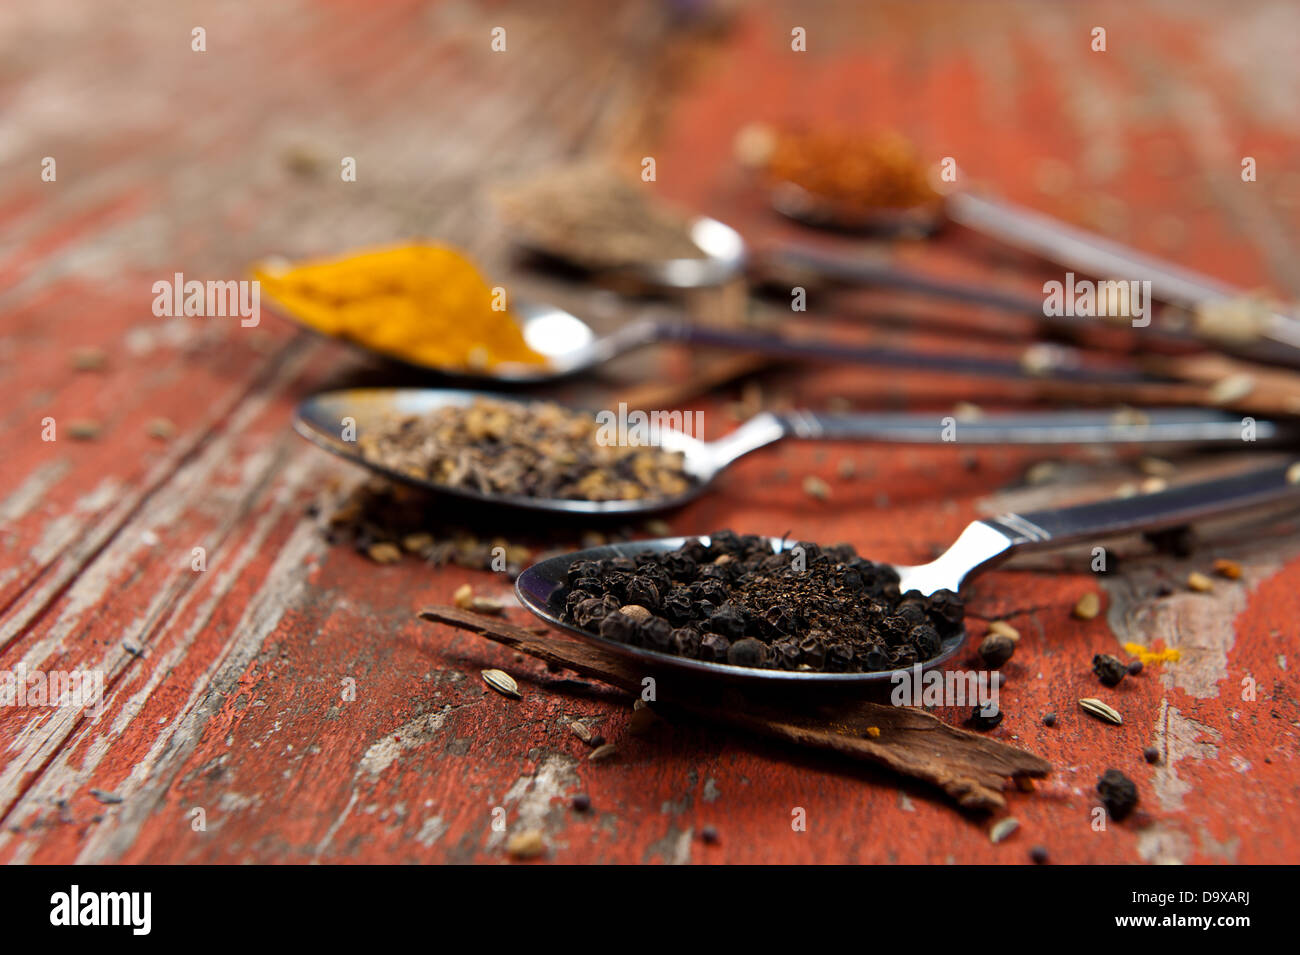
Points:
(227, 731)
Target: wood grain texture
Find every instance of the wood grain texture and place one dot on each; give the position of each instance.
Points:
(229, 689)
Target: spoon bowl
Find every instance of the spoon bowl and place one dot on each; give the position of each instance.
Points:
(566, 342)
(320, 419)
(539, 588)
(798, 204)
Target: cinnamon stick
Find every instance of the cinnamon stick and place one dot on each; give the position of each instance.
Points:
(971, 769)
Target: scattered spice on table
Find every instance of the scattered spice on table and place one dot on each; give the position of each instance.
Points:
(1003, 828)
(1088, 606)
(1198, 582)
(735, 600)
(84, 429)
(593, 217)
(424, 304)
(522, 449)
(1103, 711)
(985, 718)
(526, 845)
(89, 358)
(1227, 568)
(1118, 793)
(1109, 669)
(1004, 629)
(1148, 656)
(377, 510)
(996, 649)
(161, 429)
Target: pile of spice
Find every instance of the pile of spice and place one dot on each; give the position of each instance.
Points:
(425, 304)
(528, 449)
(736, 600)
(856, 172)
(594, 218)
(386, 521)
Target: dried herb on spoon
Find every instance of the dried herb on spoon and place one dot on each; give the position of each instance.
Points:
(535, 449)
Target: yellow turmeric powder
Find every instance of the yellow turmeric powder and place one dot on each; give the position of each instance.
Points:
(1148, 656)
(426, 304)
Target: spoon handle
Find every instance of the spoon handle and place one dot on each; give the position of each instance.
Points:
(1065, 361)
(1145, 512)
(1075, 248)
(858, 270)
(1051, 427)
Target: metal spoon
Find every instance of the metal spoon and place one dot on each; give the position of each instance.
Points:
(570, 346)
(981, 545)
(321, 420)
(727, 256)
(1040, 235)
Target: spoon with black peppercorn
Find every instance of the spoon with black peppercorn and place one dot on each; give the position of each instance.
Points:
(544, 587)
(338, 421)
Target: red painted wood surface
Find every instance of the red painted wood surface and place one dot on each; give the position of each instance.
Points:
(225, 686)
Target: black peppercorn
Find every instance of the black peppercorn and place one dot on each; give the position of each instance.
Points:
(747, 652)
(642, 590)
(1151, 754)
(728, 622)
(620, 627)
(1110, 670)
(686, 642)
(1134, 668)
(677, 605)
(1038, 854)
(985, 718)
(996, 649)
(1118, 793)
(590, 612)
(1049, 719)
(714, 646)
(655, 633)
(925, 639)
